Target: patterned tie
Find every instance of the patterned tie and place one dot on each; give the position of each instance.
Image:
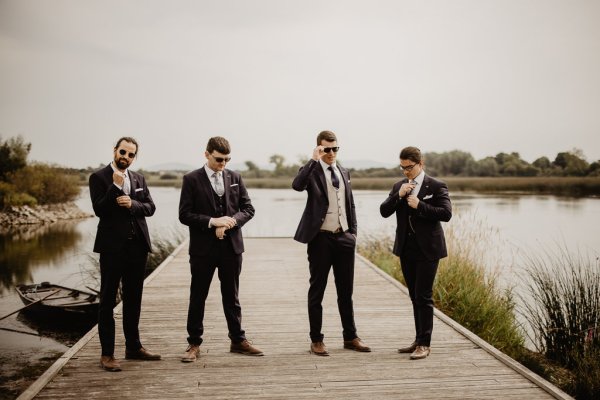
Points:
(334, 178)
(127, 185)
(218, 184)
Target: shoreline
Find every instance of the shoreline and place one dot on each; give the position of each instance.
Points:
(39, 215)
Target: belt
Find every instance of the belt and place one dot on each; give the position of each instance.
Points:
(336, 232)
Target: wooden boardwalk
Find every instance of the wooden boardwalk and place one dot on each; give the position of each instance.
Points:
(274, 284)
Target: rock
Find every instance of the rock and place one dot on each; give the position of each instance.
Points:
(41, 214)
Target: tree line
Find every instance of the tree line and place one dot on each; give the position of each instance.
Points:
(23, 183)
(456, 163)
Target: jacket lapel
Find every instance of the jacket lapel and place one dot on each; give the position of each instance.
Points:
(425, 189)
(206, 187)
(226, 185)
(321, 179)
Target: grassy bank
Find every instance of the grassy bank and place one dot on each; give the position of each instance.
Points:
(569, 186)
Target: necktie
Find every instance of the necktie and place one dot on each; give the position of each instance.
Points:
(218, 184)
(334, 178)
(127, 185)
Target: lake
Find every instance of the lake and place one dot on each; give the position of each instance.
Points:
(60, 253)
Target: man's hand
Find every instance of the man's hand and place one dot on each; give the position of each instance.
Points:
(318, 153)
(224, 221)
(406, 188)
(220, 232)
(413, 201)
(119, 178)
(124, 201)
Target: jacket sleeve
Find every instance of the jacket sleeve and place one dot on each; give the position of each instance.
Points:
(187, 216)
(303, 177)
(144, 207)
(391, 204)
(104, 199)
(246, 209)
(440, 209)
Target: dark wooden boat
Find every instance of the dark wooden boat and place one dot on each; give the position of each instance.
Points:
(58, 298)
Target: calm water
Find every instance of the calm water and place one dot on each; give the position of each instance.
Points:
(61, 253)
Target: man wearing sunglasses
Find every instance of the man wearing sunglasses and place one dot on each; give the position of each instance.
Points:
(214, 204)
(420, 202)
(121, 200)
(328, 226)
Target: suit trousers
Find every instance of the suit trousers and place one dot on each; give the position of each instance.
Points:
(222, 257)
(419, 274)
(126, 266)
(324, 251)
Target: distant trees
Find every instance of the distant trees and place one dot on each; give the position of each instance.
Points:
(38, 183)
(458, 163)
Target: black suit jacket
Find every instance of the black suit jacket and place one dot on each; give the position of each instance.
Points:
(434, 206)
(197, 206)
(115, 221)
(311, 178)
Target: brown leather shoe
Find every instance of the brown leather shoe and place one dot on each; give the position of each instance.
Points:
(356, 344)
(319, 349)
(244, 347)
(191, 354)
(420, 353)
(409, 349)
(141, 354)
(110, 364)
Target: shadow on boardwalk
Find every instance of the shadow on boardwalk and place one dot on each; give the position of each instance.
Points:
(274, 284)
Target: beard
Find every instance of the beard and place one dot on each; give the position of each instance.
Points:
(122, 163)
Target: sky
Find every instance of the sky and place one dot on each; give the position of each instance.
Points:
(482, 76)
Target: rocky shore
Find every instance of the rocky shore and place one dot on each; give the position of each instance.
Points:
(26, 215)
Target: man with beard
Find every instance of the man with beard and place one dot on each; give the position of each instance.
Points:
(122, 201)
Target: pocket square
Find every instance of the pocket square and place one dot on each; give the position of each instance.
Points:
(233, 184)
(428, 197)
(139, 189)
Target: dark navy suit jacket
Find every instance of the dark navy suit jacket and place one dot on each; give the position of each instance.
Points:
(434, 206)
(115, 221)
(197, 206)
(311, 178)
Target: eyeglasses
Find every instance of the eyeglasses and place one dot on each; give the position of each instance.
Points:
(408, 167)
(123, 152)
(221, 159)
(328, 149)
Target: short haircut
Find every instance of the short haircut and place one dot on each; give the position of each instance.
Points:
(128, 139)
(411, 153)
(219, 144)
(326, 135)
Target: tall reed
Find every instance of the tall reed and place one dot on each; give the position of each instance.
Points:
(564, 313)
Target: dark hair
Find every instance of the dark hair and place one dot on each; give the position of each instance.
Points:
(219, 144)
(411, 153)
(130, 140)
(326, 135)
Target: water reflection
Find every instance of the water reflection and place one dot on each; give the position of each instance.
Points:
(23, 248)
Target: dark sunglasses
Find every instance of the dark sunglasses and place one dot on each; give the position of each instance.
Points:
(328, 149)
(221, 159)
(123, 152)
(408, 167)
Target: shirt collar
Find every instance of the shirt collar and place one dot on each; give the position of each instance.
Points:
(210, 172)
(326, 166)
(419, 178)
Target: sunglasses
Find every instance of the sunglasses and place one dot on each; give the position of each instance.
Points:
(123, 152)
(221, 159)
(408, 167)
(328, 149)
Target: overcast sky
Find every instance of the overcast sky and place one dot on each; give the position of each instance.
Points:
(479, 76)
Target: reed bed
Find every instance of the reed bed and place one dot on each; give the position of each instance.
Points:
(564, 312)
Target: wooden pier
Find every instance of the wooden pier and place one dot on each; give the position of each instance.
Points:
(273, 289)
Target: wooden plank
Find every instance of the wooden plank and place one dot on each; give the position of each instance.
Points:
(273, 289)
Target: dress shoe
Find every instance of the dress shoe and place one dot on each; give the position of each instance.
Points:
(420, 353)
(191, 354)
(412, 347)
(319, 349)
(356, 344)
(244, 347)
(110, 364)
(141, 354)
